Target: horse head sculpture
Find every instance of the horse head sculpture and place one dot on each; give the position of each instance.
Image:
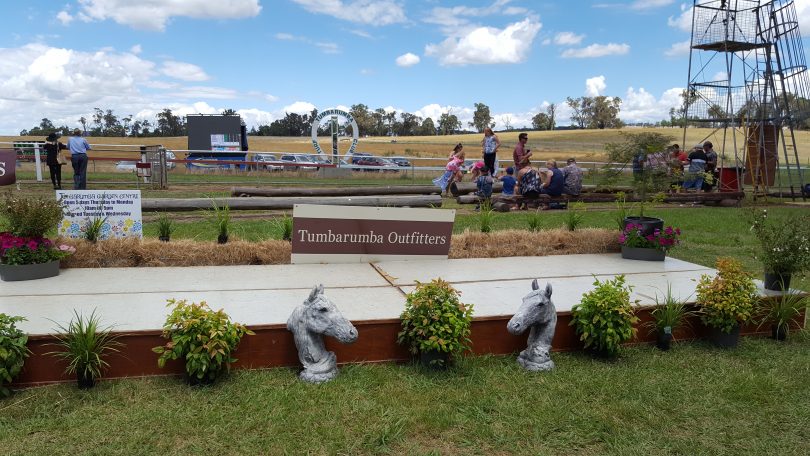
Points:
(538, 314)
(309, 322)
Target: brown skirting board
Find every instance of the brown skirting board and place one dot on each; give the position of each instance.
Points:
(273, 346)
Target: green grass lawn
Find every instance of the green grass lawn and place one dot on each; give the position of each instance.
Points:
(693, 400)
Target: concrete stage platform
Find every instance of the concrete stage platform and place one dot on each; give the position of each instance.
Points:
(372, 296)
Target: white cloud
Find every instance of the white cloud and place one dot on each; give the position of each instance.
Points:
(325, 47)
(650, 4)
(641, 106)
(597, 50)
(328, 48)
(64, 17)
(371, 12)
(155, 14)
(451, 18)
(595, 86)
(682, 22)
(285, 36)
(217, 93)
(407, 60)
(487, 45)
(568, 39)
(136, 49)
(678, 49)
(183, 71)
(361, 34)
(299, 107)
(271, 98)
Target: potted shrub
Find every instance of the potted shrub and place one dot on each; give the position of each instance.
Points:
(726, 301)
(205, 339)
(650, 247)
(435, 324)
(83, 345)
(13, 351)
(604, 318)
(782, 312)
(784, 247)
(669, 314)
(165, 226)
(645, 154)
(25, 253)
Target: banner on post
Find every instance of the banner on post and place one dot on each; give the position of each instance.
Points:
(120, 211)
(352, 234)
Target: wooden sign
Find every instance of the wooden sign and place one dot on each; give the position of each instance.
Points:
(352, 234)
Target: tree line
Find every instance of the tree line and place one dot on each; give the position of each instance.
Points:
(589, 112)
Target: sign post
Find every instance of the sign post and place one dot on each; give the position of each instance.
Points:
(119, 211)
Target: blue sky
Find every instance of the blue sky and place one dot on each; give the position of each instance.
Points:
(263, 58)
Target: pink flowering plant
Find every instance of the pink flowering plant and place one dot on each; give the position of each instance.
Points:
(17, 250)
(633, 236)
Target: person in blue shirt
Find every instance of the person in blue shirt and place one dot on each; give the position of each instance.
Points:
(508, 181)
(78, 157)
(553, 181)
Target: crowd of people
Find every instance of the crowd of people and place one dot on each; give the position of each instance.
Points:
(695, 172)
(521, 179)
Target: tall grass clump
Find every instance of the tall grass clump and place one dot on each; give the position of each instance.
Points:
(574, 215)
(486, 217)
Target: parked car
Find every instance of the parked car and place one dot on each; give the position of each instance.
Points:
(376, 164)
(321, 159)
(264, 161)
(400, 161)
(125, 166)
(357, 156)
(299, 162)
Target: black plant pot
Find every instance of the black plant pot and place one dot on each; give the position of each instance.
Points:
(776, 281)
(222, 239)
(779, 332)
(85, 381)
(664, 341)
(192, 380)
(648, 224)
(643, 253)
(164, 238)
(435, 360)
(603, 354)
(722, 339)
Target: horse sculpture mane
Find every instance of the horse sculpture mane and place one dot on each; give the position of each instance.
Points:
(538, 313)
(309, 322)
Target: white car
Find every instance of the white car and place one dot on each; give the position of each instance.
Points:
(299, 162)
(263, 161)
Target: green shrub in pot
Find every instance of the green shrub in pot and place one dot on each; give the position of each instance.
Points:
(604, 318)
(13, 351)
(727, 299)
(205, 339)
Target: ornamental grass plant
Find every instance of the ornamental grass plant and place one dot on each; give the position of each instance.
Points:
(83, 345)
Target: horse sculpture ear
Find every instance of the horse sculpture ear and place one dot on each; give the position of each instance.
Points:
(535, 285)
(548, 289)
(315, 292)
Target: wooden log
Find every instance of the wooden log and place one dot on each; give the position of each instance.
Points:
(264, 203)
(462, 188)
(340, 191)
(609, 197)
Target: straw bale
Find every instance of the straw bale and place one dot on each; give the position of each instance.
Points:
(117, 253)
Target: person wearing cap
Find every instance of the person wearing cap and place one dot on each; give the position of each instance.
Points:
(78, 157)
(509, 181)
(573, 178)
(52, 149)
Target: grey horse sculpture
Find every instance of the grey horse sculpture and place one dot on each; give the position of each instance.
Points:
(538, 313)
(309, 322)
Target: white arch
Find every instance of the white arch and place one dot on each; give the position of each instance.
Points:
(334, 112)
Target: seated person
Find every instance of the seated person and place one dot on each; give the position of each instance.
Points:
(508, 182)
(483, 182)
(573, 178)
(697, 166)
(528, 182)
(553, 181)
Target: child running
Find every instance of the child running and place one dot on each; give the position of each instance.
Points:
(453, 172)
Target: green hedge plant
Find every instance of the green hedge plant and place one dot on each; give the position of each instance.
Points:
(13, 351)
(204, 338)
(435, 320)
(604, 318)
(727, 299)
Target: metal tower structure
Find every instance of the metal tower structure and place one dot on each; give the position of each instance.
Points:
(748, 82)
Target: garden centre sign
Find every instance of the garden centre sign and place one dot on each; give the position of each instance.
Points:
(118, 212)
(8, 162)
(334, 114)
(353, 234)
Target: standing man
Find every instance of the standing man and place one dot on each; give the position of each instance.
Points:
(78, 157)
(490, 145)
(711, 165)
(521, 155)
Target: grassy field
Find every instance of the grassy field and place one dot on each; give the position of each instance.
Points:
(693, 400)
(558, 144)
